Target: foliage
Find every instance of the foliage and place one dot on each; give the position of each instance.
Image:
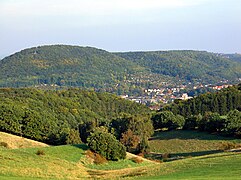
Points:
(58, 66)
(59, 117)
(141, 128)
(106, 145)
(97, 159)
(167, 119)
(4, 144)
(192, 122)
(226, 145)
(233, 123)
(130, 140)
(137, 160)
(188, 65)
(211, 122)
(40, 152)
(221, 102)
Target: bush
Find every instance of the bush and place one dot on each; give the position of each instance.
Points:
(106, 145)
(40, 152)
(137, 160)
(4, 144)
(227, 146)
(97, 159)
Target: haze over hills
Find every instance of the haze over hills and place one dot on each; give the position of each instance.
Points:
(88, 67)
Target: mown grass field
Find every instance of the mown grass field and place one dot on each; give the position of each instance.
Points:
(70, 162)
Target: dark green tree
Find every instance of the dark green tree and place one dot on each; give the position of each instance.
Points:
(106, 145)
(233, 123)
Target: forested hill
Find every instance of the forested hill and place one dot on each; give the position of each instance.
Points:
(65, 66)
(187, 64)
(235, 57)
(88, 67)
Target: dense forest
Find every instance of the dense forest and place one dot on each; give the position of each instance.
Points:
(57, 117)
(221, 102)
(64, 66)
(122, 73)
(73, 116)
(189, 65)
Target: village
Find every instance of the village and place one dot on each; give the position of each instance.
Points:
(157, 97)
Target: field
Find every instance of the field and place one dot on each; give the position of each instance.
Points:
(71, 162)
(187, 143)
(224, 165)
(62, 162)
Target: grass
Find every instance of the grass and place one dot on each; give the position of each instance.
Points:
(60, 162)
(70, 161)
(19, 142)
(121, 164)
(217, 166)
(186, 143)
(25, 163)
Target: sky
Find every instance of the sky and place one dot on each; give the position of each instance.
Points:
(122, 25)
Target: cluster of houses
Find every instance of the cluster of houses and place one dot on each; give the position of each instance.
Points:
(157, 97)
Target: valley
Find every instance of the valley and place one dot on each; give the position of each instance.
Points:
(70, 112)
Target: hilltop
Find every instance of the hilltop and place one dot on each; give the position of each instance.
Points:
(122, 73)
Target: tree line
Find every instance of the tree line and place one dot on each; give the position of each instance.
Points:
(221, 102)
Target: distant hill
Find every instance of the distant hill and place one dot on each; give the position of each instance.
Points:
(236, 57)
(187, 64)
(65, 66)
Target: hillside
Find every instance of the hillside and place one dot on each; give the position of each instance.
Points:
(57, 117)
(14, 142)
(189, 65)
(63, 162)
(87, 67)
(64, 66)
(235, 57)
(71, 162)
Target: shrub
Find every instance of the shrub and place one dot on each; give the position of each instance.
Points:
(4, 144)
(106, 145)
(40, 152)
(137, 160)
(227, 146)
(97, 159)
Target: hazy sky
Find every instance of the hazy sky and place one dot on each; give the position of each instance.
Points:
(122, 25)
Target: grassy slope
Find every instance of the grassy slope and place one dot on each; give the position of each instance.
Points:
(69, 162)
(216, 166)
(61, 162)
(19, 142)
(187, 143)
